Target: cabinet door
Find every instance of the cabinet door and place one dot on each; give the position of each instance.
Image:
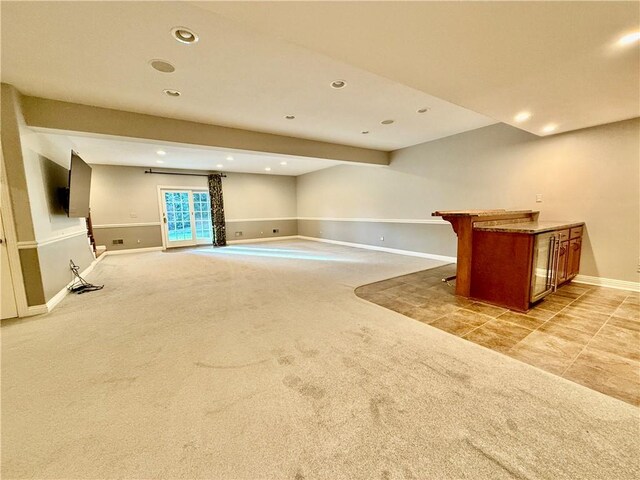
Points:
(562, 262)
(573, 263)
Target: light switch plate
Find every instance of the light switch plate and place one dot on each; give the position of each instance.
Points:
(538, 198)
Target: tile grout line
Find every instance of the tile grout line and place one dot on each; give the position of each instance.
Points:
(544, 322)
(507, 321)
(551, 318)
(591, 339)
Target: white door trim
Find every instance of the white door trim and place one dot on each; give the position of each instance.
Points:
(11, 240)
(161, 208)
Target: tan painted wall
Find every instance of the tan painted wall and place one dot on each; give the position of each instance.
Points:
(50, 222)
(11, 122)
(126, 195)
(41, 224)
(590, 175)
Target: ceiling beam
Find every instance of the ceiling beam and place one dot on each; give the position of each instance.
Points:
(73, 117)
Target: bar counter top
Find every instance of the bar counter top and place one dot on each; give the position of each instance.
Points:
(525, 227)
(479, 213)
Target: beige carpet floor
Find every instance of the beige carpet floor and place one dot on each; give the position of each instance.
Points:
(258, 361)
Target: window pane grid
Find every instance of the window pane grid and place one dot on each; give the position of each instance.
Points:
(178, 221)
(202, 209)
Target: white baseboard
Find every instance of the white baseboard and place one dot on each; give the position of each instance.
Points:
(608, 282)
(51, 304)
(267, 239)
(599, 281)
(431, 256)
(132, 250)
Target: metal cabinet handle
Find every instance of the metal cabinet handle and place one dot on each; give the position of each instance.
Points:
(556, 262)
(552, 246)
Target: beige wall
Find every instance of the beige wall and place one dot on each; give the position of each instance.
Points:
(59, 238)
(126, 195)
(45, 235)
(12, 122)
(590, 175)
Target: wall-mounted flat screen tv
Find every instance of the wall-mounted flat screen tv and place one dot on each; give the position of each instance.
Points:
(77, 204)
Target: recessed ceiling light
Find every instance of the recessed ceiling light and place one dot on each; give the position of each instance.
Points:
(159, 161)
(522, 117)
(338, 84)
(283, 163)
(549, 128)
(172, 93)
(162, 66)
(387, 122)
(365, 132)
(184, 35)
(219, 165)
(424, 110)
(629, 39)
(230, 158)
(267, 169)
(162, 153)
(289, 117)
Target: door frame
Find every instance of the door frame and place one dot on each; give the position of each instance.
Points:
(161, 212)
(6, 276)
(11, 240)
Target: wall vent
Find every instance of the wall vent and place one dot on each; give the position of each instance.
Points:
(118, 241)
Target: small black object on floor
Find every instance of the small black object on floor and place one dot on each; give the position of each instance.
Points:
(81, 285)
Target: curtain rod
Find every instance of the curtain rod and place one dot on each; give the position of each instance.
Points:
(186, 174)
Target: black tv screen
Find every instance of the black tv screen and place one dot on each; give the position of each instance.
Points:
(79, 187)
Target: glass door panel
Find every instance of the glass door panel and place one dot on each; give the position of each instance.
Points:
(543, 263)
(179, 228)
(202, 210)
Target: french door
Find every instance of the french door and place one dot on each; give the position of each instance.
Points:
(186, 217)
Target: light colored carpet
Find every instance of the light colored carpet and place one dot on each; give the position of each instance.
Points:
(258, 361)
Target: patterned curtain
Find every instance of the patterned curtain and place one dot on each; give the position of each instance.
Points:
(217, 210)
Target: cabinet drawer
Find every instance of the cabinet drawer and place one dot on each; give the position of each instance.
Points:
(576, 232)
(563, 235)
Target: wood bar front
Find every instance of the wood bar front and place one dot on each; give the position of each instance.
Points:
(462, 222)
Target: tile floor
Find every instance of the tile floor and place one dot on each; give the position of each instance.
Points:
(590, 335)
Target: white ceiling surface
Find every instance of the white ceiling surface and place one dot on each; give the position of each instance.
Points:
(97, 53)
(558, 60)
(117, 151)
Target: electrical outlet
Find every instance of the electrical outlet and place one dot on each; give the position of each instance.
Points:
(238, 234)
(382, 239)
(538, 198)
(139, 241)
(133, 215)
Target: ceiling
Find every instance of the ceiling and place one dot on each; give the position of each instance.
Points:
(97, 53)
(560, 61)
(117, 151)
(257, 62)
